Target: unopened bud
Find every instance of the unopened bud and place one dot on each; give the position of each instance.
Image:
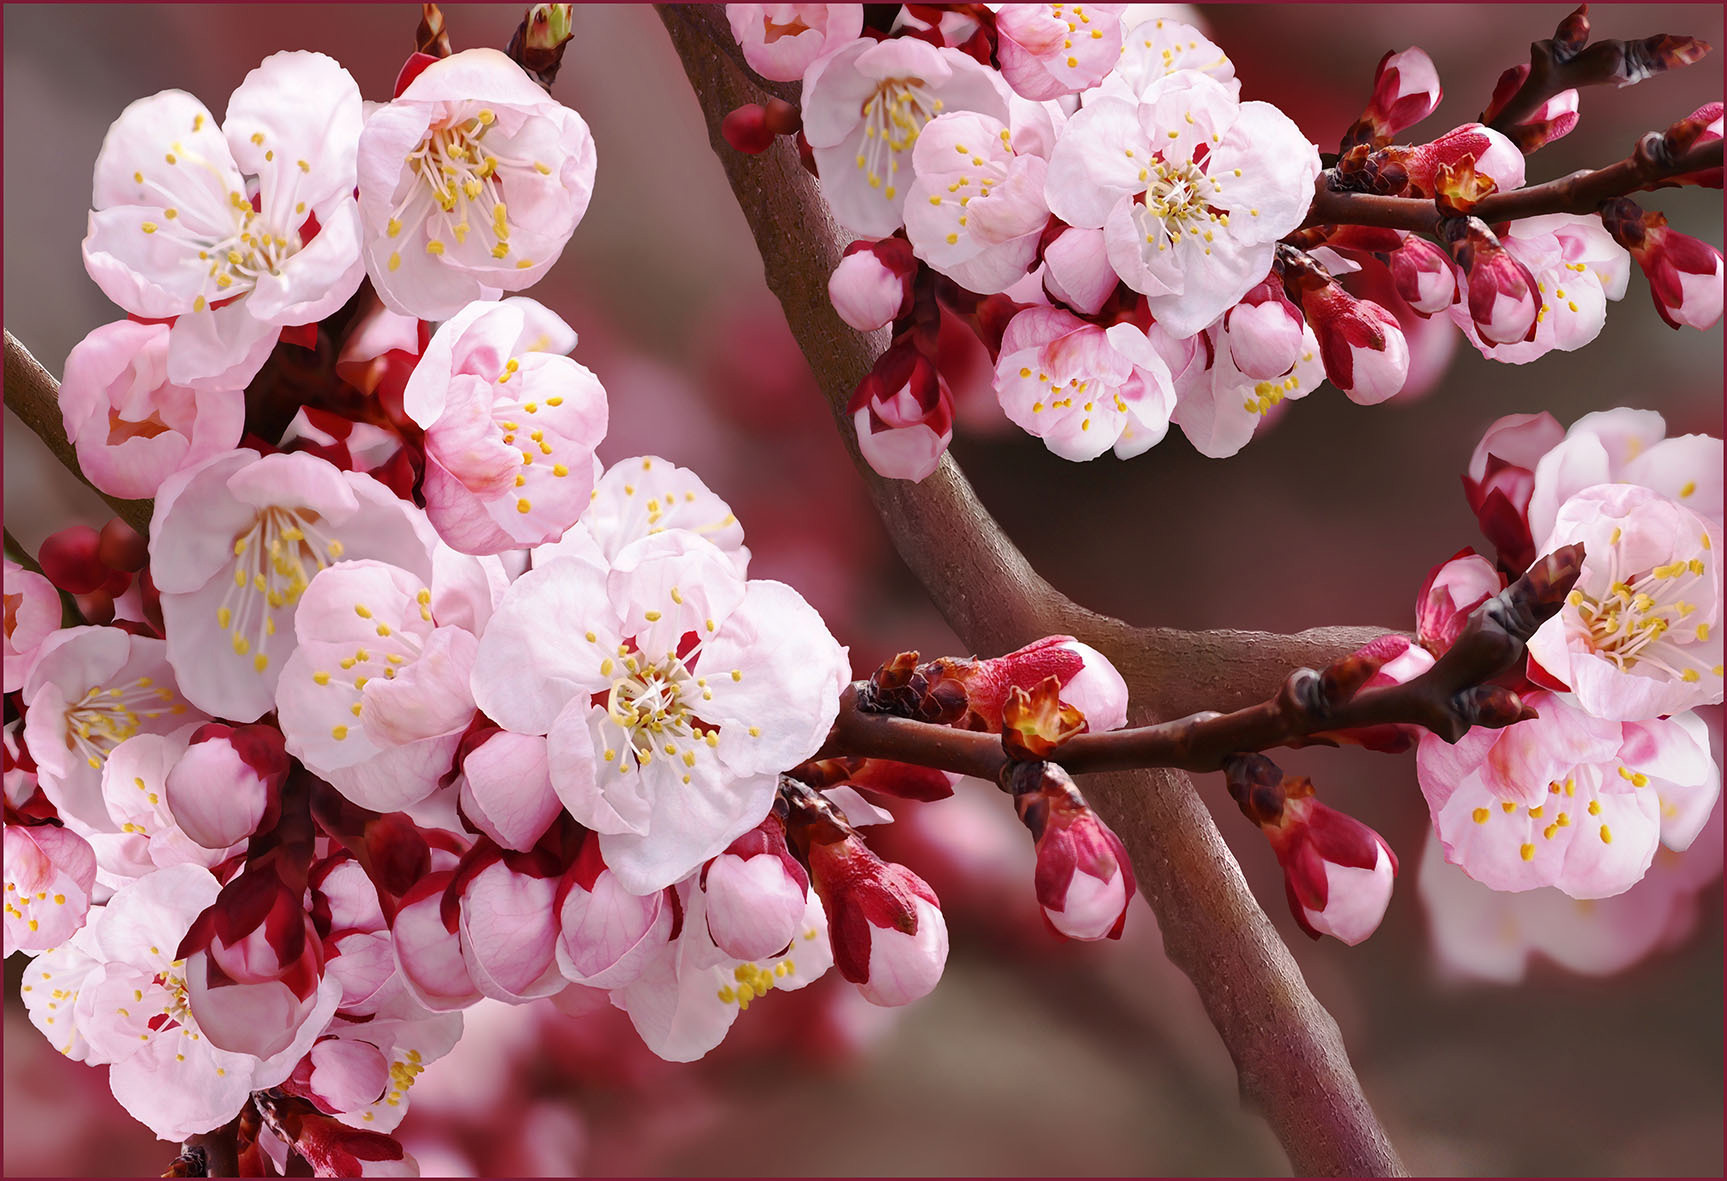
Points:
(227, 782)
(872, 286)
(1363, 347)
(1083, 879)
(1423, 275)
(746, 129)
(1405, 91)
(1685, 275)
(903, 414)
(1500, 292)
(757, 893)
(1265, 332)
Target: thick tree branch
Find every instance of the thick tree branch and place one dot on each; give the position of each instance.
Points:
(1288, 1053)
(34, 396)
(1580, 193)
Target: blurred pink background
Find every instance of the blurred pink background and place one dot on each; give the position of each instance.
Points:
(1032, 1057)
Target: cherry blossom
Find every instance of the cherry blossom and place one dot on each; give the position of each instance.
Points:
(50, 879)
(135, 790)
(1453, 590)
(682, 756)
(1577, 268)
(1192, 230)
(32, 614)
(236, 541)
(375, 698)
(1639, 635)
(607, 935)
(131, 426)
(782, 41)
(237, 231)
(1083, 389)
(471, 182)
(225, 783)
(903, 414)
(863, 110)
(645, 496)
(1406, 90)
(1337, 872)
(1685, 274)
(1567, 799)
(1156, 48)
(1492, 153)
(1265, 331)
(1076, 270)
(1362, 344)
(1048, 50)
(510, 430)
(506, 789)
(362, 1072)
(508, 927)
(976, 208)
(90, 689)
(1501, 297)
(1218, 407)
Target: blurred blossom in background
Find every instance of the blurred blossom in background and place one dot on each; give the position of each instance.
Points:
(1472, 1018)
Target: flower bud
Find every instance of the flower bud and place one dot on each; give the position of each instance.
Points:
(1701, 126)
(903, 414)
(756, 894)
(227, 782)
(746, 129)
(428, 950)
(606, 935)
(1424, 276)
(1685, 275)
(1415, 171)
(885, 923)
(1500, 292)
(1084, 879)
(1453, 590)
(1077, 270)
(972, 694)
(1501, 479)
(1265, 332)
(1405, 91)
(872, 286)
(1362, 344)
(1337, 872)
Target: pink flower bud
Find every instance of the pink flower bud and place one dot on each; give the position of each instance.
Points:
(1424, 276)
(889, 936)
(509, 924)
(1501, 478)
(1699, 127)
(1084, 879)
(346, 1074)
(1553, 119)
(1362, 344)
(1685, 275)
(1405, 91)
(1265, 332)
(1454, 589)
(1494, 155)
(756, 894)
(871, 287)
(1500, 292)
(428, 951)
(903, 414)
(32, 614)
(1077, 270)
(606, 935)
(227, 782)
(746, 129)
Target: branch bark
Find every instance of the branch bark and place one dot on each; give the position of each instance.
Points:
(1287, 1049)
(1580, 193)
(34, 396)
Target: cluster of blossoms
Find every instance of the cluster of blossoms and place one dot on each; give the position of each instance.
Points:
(407, 700)
(1082, 187)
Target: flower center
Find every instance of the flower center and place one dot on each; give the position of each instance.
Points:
(461, 172)
(1175, 203)
(104, 718)
(650, 703)
(274, 560)
(1641, 620)
(894, 116)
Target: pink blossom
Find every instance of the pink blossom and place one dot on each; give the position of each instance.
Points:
(20, 770)
(428, 948)
(1625, 446)
(233, 232)
(363, 1072)
(1077, 271)
(135, 789)
(1501, 478)
(1452, 592)
(510, 431)
(1048, 50)
(375, 697)
(236, 540)
(644, 496)
(509, 928)
(686, 1000)
(1494, 155)
(1577, 268)
(50, 876)
(90, 689)
(131, 426)
(1424, 276)
(119, 997)
(471, 181)
(1567, 799)
(871, 287)
(756, 893)
(1337, 871)
(32, 613)
(607, 935)
(1180, 225)
(782, 41)
(1218, 407)
(1083, 389)
(903, 414)
(863, 109)
(226, 782)
(976, 209)
(1639, 635)
(1088, 681)
(683, 756)
(1158, 47)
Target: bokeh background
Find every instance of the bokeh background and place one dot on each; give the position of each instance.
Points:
(1032, 1057)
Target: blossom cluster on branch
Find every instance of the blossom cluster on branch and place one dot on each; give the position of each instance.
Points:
(406, 700)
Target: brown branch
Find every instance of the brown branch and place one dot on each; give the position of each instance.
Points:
(1287, 1050)
(1447, 699)
(34, 396)
(1562, 62)
(1581, 192)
